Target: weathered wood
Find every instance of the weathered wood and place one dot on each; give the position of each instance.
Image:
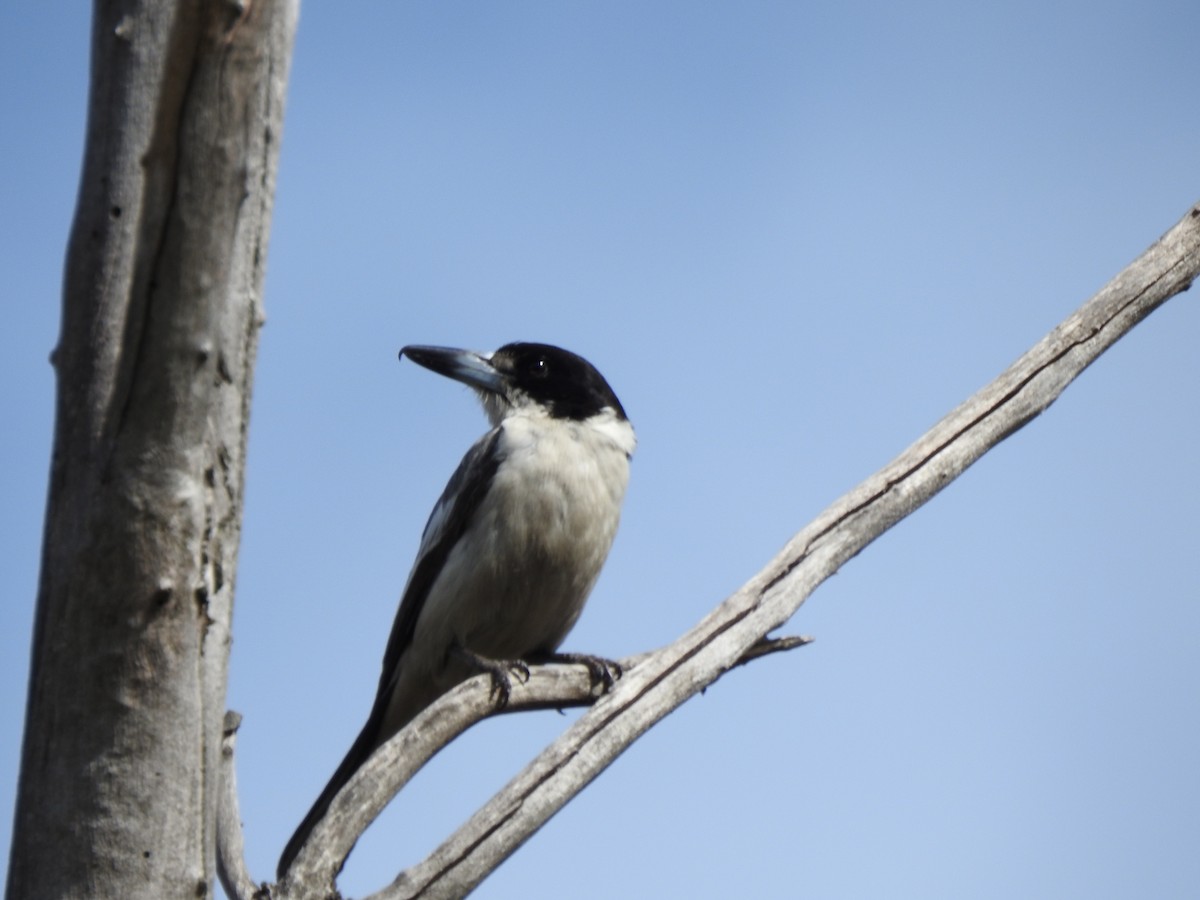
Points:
(663, 680)
(231, 846)
(161, 311)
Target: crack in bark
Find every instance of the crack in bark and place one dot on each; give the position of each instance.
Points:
(997, 407)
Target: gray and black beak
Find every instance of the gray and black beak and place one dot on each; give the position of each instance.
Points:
(471, 368)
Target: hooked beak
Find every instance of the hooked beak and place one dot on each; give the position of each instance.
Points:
(471, 368)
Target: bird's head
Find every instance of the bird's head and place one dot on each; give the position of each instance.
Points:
(525, 377)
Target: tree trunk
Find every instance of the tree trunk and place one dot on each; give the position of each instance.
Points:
(161, 311)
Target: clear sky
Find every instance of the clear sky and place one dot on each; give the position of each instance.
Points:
(792, 236)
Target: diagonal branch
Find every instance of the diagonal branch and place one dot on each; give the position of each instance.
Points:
(735, 632)
(391, 767)
(670, 676)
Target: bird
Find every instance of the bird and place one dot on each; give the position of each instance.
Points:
(513, 546)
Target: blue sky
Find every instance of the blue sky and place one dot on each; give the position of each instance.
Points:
(792, 236)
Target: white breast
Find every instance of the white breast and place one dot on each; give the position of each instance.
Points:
(518, 579)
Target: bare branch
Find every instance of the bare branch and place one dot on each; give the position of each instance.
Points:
(231, 850)
(391, 767)
(768, 646)
(396, 762)
(668, 677)
(736, 631)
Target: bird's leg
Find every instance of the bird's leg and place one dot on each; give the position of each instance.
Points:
(498, 669)
(602, 672)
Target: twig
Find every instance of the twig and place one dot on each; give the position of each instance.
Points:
(231, 851)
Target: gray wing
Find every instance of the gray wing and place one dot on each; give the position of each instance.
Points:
(449, 519)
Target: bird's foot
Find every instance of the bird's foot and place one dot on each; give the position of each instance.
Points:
(602, 672)
(498, 669)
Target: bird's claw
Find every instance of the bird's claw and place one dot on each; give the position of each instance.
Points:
(501, 682)
(498, 670)
(602, 673)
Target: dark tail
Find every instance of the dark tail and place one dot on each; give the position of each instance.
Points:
(362, 748)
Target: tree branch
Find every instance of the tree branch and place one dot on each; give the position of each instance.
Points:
(670, 676)
(231, 848)
(394, 764)
(735, 632)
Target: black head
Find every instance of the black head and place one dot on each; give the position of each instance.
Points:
(566, 384)
(517, 375)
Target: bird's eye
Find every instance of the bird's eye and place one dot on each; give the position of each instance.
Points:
(538, 367)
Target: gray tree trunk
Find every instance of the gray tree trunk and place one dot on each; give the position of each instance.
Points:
(161, 311)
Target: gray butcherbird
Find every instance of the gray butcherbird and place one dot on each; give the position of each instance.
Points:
(514, 544)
